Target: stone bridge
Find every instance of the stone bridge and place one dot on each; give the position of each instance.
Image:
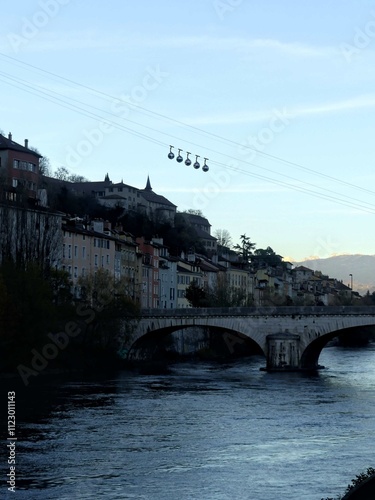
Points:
(291, 338)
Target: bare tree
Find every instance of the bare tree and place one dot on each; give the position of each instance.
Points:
(194, 212)
(63, 174)
(44, 163)
(29, 235)
(223, 237)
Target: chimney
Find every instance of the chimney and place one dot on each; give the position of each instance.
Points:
(10, 136)
(26, 143)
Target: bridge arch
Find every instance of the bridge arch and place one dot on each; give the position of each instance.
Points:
(232, 338)
(310, 355)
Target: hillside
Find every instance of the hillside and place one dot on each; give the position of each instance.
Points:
(362, 267)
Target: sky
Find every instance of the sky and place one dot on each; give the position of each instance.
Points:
(279, 96)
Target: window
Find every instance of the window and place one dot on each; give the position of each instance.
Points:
(16, 163)
(83, 252)
(14, 183)
(107, 259)
(83, 271)
(75, 251)
(96, 259)
(64, 251)
(69, 251)
(102, 260)
(76, 272)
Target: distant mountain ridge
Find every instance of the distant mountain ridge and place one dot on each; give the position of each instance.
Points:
(362, 267)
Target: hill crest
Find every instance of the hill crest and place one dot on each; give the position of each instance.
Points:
(362, 267)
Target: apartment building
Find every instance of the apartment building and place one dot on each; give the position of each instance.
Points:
(150, 284)
(187, 272)
(19, 169)
(90, 247)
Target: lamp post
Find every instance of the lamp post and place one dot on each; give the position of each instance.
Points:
(351, 288)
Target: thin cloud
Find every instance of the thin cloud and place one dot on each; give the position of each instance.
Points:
(364, 101)
(45, 40)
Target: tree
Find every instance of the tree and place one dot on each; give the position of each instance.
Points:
(29, 235)
(359, 479)
(63, 174)
(223, 237)
(110, 303)
(245, 249)
(368, 299)
(268, 257)
(222, 294)
(194, 212)
(44, 164)
(77, 178)
(27, 312)
(197, 296)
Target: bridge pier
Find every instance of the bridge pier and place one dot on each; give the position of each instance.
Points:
(283, 352)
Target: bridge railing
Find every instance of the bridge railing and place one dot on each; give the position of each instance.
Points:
(262, 311)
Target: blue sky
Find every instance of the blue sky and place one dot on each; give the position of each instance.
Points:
(278, 95)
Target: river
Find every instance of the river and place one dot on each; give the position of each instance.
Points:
(206, 431)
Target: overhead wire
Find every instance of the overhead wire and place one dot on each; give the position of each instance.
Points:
(81, 111)
(193, 128)
(46, 94)
(298, 188)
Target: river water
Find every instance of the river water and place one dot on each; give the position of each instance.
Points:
(205, 431)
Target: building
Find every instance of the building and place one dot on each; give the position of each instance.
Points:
(167, 278)
(150, 284)
(203, 231)
(113, 195)
(187, 272)
(88, 247)
(155, 205)
(19, 170)
(128, 263)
